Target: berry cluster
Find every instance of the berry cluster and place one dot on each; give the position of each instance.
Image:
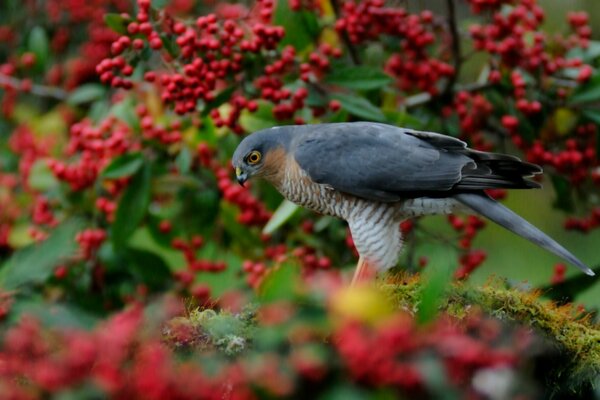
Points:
(412, 65)
(95, 147)
(468, 228)
(385, 355)
(90, 241)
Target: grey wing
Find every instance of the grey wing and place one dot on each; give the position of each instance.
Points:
(386, 163)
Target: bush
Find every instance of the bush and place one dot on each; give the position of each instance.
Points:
(134, 266)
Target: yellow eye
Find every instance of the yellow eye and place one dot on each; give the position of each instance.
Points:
(254, 157)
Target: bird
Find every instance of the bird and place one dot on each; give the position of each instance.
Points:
(375, 176)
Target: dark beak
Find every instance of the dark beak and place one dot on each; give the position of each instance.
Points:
(241, 176)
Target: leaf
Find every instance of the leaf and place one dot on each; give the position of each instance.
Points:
(149, 268)
(35, 263)
(588, 92)
(132, 207)
(301, 27)
(594, 116)
(55, 315)
(38, 45)
(360, 77)
(565, 121)
(284, 212)
(258, 120)
(223, 97)
(566, 291)
(588, 54)
(184, 160)
(41, 177)
(360, 107)
(123, 166)
(116, 22)
(86, 94)
(280, 283)
(170, 45)
(436, 280)
(564, 197)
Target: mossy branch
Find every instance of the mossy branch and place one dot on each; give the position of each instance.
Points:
(572, 332)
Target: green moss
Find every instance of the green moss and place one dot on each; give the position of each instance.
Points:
(574, 335)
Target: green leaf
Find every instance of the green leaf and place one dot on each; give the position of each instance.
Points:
(588, 92)
(437, 277)
(564, 197)
(35, 263)
(41, 177)
(588, 54)
(184, 160)
(123, 166)
(360, 107)
(149, 268)
(170, 45)
(301, 27)
(132, 207)
(86, 94)
(258, 120)
(280, 283)
(223, 97)
(38, 45)
(54, 315)
(566, 291)
(360, 77)
(116, 22)
(284, 212)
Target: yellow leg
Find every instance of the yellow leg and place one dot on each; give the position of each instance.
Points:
(362, 273)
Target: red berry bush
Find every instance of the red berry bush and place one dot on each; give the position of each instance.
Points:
(132, 265)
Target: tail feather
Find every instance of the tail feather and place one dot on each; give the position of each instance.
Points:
(506, 218)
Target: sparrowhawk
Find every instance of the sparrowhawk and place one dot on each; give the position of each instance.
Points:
(374, 176)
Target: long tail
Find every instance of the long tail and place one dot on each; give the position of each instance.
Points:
(501, 215)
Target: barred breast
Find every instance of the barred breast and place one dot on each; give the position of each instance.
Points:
(375, 226)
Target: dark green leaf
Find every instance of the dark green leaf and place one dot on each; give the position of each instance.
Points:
(360, 107)
(564, 197)
(301, 27)
(566, 291)
(223, 97)
(38, 45)
(35, 263)
(86, 93)
(149, 268)
(360, 77)
(116, 22)
(132, 207)
(123, 166)
(588, 92)
(170, 45)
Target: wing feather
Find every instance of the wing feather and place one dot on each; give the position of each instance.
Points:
(386, 163)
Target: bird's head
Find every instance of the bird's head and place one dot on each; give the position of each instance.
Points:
(260, 154)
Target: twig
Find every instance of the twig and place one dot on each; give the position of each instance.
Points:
(38, 90)
(457, 58)
(351, 49)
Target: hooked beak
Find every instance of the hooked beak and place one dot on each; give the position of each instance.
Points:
(241, 176)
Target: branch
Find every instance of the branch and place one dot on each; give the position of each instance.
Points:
(455, 47)
(351, 49)
(38, 90)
